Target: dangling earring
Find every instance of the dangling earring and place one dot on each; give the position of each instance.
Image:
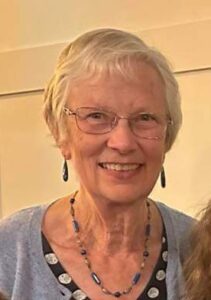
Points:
(65, 171)
(163, 178)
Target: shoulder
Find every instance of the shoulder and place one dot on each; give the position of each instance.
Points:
(19, 219)
(20, 242)
(16, 232)
(16, 228)
(175, 217)
(178, 227)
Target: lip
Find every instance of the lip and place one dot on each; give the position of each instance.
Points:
(117, 166)
(121, 174)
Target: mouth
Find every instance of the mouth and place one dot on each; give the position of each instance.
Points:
(120, 166)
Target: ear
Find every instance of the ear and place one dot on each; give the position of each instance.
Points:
(64, 147)
(62, 143)
(163, 158)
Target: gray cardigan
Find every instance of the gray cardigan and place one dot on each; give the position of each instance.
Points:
(25, 275)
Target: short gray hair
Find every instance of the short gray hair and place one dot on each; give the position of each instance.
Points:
(113, 51)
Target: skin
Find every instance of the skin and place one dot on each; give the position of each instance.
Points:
(111, 205)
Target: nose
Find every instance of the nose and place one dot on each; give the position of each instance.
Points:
(121, 137)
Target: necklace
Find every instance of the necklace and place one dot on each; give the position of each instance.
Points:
(136, 277)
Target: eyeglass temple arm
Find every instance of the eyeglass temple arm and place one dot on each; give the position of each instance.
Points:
(68, 111)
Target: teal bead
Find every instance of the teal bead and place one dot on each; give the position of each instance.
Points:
(75, 226)
(136, 278)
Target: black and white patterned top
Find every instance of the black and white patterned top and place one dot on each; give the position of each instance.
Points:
(155, 289)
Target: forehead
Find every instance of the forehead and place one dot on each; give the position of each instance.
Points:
(143, 87)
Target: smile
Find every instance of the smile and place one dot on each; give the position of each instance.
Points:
(119, 166)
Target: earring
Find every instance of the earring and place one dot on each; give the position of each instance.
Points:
(163, 178)
(65, 171)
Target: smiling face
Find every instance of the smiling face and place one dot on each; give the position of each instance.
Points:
(118, 166)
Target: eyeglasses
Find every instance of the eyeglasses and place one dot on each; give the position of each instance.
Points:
(94, 120)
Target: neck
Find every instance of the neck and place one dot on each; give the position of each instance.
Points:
(111, 227)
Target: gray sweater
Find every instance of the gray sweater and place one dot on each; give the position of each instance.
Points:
(25, 275)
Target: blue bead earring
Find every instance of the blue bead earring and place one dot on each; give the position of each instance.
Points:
(65, 175)
(163, 178)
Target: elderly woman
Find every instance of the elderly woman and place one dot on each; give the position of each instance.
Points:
(113, 107)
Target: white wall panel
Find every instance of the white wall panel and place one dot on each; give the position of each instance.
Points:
(187, 46)
(188, 164)
(30, 23)
(30, 163)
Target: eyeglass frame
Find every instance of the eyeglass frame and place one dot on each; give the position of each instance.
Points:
(70, 112)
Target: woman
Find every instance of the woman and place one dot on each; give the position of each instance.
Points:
(197, 267)
(113, 107)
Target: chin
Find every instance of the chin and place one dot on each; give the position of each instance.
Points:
(125, 195)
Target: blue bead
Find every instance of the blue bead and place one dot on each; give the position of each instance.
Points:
(75, 226)
(136, 278)
(96, 278)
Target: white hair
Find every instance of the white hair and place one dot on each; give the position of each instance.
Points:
(113, 51)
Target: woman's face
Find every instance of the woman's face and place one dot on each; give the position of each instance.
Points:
(118, 166)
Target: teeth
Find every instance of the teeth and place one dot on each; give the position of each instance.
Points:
(120, 167)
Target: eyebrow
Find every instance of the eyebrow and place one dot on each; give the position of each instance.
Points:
(107, 109)
(97, 105)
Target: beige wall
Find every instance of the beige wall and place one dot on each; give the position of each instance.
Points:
(30, 166)
(188, 164)
(30, 162)
(29, 23)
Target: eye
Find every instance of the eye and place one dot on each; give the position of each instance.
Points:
(96, 115)
(145, 121)
(145, 117)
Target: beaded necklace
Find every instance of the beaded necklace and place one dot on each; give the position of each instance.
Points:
(84, 254)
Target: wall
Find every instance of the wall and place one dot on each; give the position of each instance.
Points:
(34, 32)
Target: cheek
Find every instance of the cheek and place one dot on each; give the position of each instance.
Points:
(84, 148)
(155, 152)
